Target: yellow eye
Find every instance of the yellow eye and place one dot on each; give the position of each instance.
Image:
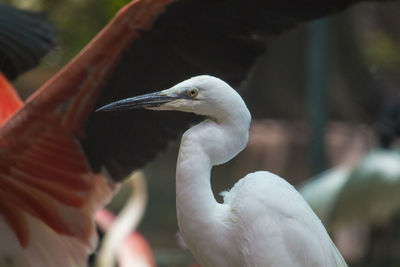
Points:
(193, 92)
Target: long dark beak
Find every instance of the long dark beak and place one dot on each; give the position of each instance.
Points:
(143, 101)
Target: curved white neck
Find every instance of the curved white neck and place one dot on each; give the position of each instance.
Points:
(204, 145)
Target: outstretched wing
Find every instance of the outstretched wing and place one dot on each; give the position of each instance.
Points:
(132, 56)
(48, 192)
(192, 37)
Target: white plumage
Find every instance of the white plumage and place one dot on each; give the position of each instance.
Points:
(367, 193)
(263, 221)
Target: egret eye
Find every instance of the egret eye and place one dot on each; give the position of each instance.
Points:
(192, 92)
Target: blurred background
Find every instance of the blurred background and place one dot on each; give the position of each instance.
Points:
(316, 96)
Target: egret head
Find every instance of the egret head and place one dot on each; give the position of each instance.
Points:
(203, 95)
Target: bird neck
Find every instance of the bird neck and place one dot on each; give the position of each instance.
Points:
(204, 145)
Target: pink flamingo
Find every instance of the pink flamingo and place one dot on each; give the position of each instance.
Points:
(48, 191)
(121, 241)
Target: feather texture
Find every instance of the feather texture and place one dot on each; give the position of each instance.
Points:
(25, 37)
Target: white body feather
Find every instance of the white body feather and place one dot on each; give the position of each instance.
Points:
(263, 221)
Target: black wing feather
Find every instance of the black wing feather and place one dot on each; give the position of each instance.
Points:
(25, 37)
(193, 37)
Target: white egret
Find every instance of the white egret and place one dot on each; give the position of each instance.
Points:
(263, 221)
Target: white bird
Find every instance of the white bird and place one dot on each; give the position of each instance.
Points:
(366, 193)
(263, 221)
(322, 191)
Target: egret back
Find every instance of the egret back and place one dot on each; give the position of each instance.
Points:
(277, 227)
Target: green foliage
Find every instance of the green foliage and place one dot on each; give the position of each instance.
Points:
(114, 6)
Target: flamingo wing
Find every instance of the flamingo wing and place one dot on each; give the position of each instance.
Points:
(154, 44)
(48, 191)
